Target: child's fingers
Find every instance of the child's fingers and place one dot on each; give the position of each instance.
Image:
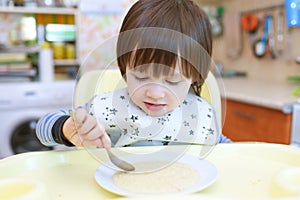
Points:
(98, 139)
(76, 140)
(80, 116)
(87, 125)
(93, 143)
(106, 141)
(91, 132)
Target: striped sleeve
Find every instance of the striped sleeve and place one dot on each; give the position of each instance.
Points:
(44, 127)
(224, 139)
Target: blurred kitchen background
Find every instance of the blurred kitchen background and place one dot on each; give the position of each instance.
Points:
(256, 54)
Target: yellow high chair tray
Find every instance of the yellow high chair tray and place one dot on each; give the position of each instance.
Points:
(245, 171)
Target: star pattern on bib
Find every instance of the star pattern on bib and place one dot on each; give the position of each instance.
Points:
(129, 124)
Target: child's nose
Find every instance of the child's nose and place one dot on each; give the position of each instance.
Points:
(155, 91)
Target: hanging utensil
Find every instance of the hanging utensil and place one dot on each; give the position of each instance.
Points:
(260, 46)
(250, 24)
(280, 27)
(271, 35)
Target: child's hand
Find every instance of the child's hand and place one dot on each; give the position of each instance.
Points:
(89, 132)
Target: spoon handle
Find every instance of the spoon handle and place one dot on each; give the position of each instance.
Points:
(113, 158)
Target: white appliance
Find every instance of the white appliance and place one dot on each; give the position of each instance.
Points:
(295, 136)
(21, 105)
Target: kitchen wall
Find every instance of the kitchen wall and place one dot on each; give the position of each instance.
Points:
(277, 69)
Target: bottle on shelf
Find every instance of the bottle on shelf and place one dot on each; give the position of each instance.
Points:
(46, 65)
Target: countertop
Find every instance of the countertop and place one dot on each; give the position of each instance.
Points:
(266, 93)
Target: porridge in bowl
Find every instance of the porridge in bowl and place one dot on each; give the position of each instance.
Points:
(174, 178)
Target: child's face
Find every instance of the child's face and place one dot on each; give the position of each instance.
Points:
(157, 96)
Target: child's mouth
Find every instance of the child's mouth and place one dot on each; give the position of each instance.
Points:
(154, 107)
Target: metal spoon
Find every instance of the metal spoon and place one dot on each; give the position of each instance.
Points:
(113, 158)
(118, 162)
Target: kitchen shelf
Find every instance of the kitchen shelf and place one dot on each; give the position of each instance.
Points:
(21, 49)
(66, 62)
(44, 16)
(39, 10)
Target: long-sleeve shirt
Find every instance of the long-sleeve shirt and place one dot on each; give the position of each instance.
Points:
(127, 125)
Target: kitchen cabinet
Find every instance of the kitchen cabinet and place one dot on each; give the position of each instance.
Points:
(249, 122)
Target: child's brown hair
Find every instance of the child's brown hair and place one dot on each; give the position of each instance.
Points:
(164, 32)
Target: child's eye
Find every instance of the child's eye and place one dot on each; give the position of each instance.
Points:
(173, 82)
(141, 78)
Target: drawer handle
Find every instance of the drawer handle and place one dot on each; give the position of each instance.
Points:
(245, 115)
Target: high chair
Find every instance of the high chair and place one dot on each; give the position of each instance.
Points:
(100, 81)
